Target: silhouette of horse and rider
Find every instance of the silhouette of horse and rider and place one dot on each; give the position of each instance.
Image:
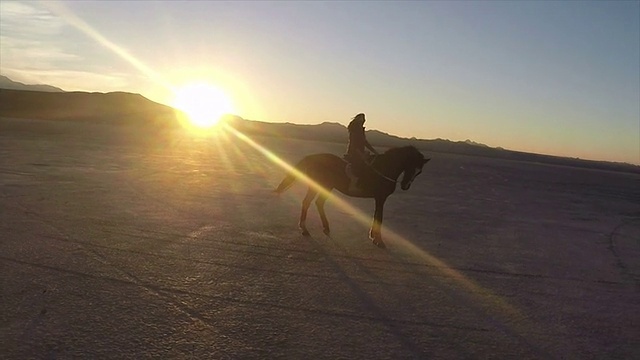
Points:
(357, 174)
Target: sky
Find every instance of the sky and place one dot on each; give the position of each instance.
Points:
(559, 78)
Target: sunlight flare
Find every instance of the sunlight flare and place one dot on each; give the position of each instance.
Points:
(203, 103)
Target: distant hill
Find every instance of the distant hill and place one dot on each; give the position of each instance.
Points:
(6, 83)
(121, 108)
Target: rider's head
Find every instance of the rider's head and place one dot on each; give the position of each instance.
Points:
(359, 118)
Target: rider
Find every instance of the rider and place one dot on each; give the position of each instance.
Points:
(356, 155)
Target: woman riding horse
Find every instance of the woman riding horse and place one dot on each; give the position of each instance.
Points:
(325, 172)
(356, 155)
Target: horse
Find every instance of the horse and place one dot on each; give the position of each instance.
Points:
(328, 172)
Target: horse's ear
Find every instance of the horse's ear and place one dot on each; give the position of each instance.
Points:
(425, 161)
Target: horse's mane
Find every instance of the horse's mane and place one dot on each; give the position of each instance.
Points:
(410, 153)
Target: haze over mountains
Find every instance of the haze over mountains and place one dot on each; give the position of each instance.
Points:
(6, 83)
(45, 102)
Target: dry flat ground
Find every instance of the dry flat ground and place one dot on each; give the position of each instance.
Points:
(118, 244)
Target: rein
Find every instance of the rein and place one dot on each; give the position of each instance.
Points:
(383, 176)
(370, 166)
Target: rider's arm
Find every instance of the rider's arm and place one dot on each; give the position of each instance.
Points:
(366, 143)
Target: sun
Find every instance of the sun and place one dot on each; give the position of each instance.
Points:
(204, 103)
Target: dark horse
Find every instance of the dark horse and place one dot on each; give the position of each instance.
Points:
(379, 181)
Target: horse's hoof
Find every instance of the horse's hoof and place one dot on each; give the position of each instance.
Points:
(327, 232)
(379, 243)
(305, 233)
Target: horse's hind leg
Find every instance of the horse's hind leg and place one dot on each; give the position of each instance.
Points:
(320, 205)
(311, 193)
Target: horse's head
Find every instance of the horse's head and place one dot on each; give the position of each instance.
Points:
(413, 167)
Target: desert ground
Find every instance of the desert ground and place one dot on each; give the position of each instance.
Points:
(118, 243)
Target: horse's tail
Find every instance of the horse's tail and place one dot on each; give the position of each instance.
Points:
(291, 178)
(285, 184)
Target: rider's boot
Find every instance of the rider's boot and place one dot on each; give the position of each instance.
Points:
(353, 184)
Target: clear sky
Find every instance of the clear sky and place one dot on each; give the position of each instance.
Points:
(558, 78)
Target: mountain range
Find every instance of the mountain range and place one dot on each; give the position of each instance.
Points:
(46, 102)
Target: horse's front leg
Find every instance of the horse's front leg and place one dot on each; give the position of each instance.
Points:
(375, 234)
(305, 207)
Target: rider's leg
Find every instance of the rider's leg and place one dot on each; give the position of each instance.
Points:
(353, 179)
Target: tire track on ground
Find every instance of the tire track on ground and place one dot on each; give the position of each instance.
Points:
(620, 263)
(168, 300)
(243, 302)
(407, 266)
